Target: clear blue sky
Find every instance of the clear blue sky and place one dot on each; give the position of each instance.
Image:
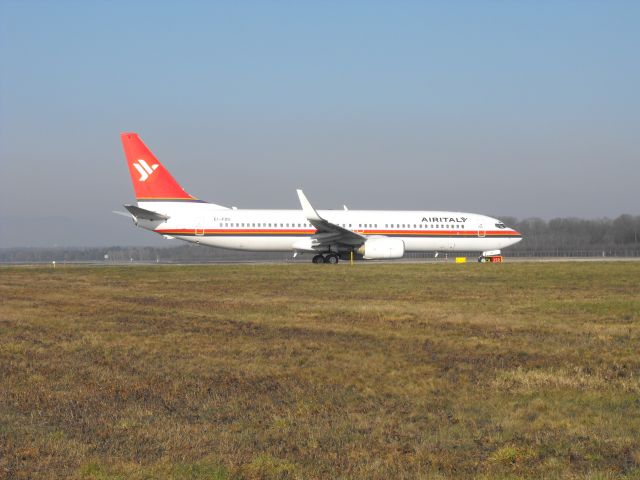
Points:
(504, 108)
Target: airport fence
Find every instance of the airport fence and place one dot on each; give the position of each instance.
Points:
(147, 255)
(551, 253)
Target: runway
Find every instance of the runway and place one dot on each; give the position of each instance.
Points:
(303, 261)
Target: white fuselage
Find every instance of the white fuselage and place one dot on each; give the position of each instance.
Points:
(289, 230)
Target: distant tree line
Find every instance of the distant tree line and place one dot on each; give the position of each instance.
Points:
(576, 236)
(557, 237)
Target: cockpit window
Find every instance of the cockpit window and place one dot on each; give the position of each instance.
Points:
(501, 225)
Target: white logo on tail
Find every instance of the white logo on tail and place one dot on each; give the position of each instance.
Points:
(144, 169)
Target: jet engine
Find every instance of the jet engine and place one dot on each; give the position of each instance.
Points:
(380, 248)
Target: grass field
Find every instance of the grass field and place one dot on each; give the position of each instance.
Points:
(311, 371)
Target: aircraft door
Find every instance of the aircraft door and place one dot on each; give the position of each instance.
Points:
(199, 230)
(481, 231)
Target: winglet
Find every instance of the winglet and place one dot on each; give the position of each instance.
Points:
(308, 210)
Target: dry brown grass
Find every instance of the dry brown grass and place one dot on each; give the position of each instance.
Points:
(309, 371)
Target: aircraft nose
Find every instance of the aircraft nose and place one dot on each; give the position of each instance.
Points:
(517, 236)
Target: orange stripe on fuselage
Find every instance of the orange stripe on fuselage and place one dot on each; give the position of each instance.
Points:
(434, 233)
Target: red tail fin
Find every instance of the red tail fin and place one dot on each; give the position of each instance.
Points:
(151, 181)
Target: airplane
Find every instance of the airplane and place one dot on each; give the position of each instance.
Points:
(164, 207)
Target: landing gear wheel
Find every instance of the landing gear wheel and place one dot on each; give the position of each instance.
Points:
(332, 258)
(318, 259)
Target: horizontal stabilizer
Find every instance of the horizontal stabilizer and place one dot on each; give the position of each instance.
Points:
(144, 214)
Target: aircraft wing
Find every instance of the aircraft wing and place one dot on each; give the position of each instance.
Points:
(327, 232)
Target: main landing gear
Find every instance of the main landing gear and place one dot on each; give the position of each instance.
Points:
(331, 258)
